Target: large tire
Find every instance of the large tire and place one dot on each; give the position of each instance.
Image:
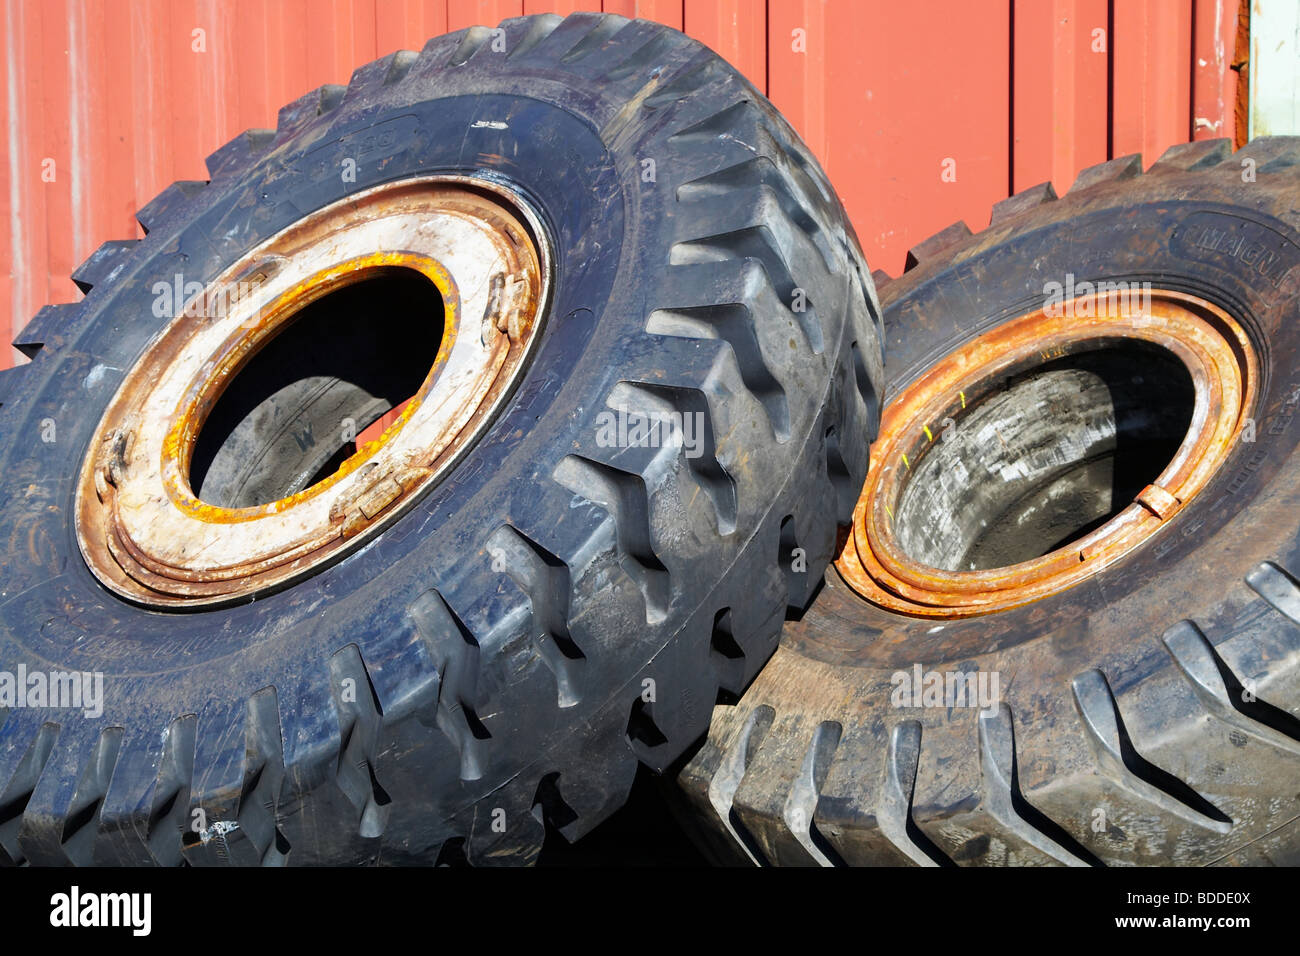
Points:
(1125, 733)
(498, 700)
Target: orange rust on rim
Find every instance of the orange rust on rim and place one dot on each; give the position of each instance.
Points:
(1215, 351)
(202, 398)
(143, 531)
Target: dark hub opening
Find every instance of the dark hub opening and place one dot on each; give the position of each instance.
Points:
(290, 417)
(1044, 457)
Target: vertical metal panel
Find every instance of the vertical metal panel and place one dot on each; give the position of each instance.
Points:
(11, 220)
(1059, 114)
(892, 94)
(470, 13)
(1214, 82)
(124, 97)
(58, 117)
(737, 29)
(406, 25)
(24, 246)
(798, 58)
(1274, 68)
(668, 12)
(1151, 48)
(561, 7)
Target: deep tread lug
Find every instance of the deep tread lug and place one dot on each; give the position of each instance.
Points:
(941, 241)
(1022, 202)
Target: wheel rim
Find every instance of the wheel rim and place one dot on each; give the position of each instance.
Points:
(891, 556)
(148, 536)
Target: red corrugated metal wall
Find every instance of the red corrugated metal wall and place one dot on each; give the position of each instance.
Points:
(105, 102)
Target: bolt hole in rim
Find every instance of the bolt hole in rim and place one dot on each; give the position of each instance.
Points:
(1041, 452)
(466, 267)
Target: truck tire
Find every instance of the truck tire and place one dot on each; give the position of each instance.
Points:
(1143, 694)
(473, 648)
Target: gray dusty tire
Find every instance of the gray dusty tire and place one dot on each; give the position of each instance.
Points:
(1149, 715)
(477, 674)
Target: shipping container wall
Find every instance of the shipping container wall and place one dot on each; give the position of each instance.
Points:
(923, 112)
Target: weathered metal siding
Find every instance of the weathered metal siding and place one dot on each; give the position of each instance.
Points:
(110, 100)
(1275, 68)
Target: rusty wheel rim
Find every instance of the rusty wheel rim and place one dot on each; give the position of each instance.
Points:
(143, 531)
(1213, 349)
